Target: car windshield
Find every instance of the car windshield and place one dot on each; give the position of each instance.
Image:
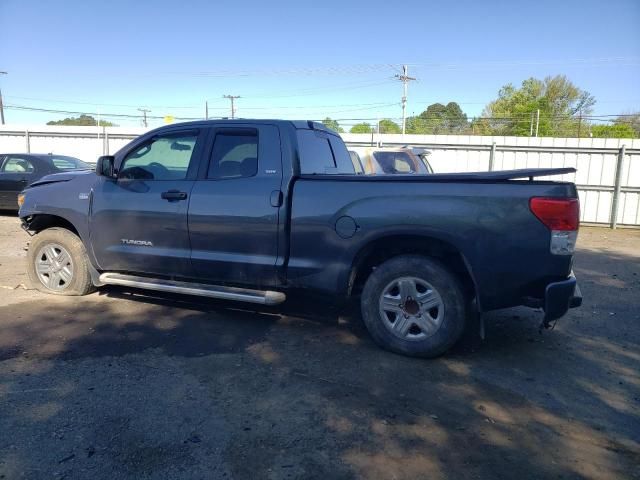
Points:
(67, 163)
(395, 162)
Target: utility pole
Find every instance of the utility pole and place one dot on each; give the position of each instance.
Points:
(144, 113)
(1, 105)
(537, 121)
(405, 79)
(233, 105)
(531, 126)
(206, 110)
(579, 122)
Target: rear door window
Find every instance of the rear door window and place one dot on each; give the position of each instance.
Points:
(234, 154)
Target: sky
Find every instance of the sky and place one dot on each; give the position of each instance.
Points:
(303, 59)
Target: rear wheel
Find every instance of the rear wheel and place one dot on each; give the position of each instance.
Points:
(57, 263)
(414, 305)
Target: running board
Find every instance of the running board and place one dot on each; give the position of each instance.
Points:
(267, 297)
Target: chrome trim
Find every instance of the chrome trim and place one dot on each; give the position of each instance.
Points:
(267, 297)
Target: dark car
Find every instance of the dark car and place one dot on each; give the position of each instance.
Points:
(263, 211)
(19, 170)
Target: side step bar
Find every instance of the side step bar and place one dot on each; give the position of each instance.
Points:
(267, 297)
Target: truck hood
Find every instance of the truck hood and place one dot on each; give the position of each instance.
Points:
(61, 177)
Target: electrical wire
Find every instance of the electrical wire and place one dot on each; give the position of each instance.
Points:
(524, 117)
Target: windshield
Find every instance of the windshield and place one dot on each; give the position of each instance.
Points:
(396, 162)
(64, 163)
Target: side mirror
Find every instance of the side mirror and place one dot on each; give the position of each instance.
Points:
(104, 167)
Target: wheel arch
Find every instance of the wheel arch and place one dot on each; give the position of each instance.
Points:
(42, 221)
(386, 247)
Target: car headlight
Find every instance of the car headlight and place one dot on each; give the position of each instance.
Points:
(20, 199)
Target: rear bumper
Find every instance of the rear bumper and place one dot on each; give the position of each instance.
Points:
(560, 296)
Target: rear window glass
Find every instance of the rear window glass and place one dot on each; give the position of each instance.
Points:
(68, 163)
(322, 153)
(395, 162)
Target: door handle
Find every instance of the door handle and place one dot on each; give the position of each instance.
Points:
(174, 195)
(276, 198)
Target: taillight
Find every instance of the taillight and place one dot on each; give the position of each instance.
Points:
(557, 213)
(562, 217)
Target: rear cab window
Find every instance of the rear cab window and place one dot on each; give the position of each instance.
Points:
(322, 153)
(68, 163)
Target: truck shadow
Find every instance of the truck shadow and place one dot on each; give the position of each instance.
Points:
(304, 391)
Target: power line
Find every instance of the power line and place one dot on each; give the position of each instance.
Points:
(100, 104)
(102, 114)
(524, 117)
(358, 69)
(301, 71)
(320, 90)
(606, 61)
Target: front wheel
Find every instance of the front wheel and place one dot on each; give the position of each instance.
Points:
(57, 263)
(413, 305)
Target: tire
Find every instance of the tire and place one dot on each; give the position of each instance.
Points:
(413, 305)
(57, 263)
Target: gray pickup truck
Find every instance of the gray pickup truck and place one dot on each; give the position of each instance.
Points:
(265, 210)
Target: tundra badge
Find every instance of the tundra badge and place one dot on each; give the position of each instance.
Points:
(142, 243)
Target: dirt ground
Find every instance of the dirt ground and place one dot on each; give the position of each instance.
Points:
(123, 385)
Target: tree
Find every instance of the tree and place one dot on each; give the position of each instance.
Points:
(388, 126)
(439, 119)
(617, 130)
(333, 125)
(445, 119)
(560, 102)
(361, 128)
(416, 125)
(82, 120)
(631, 119)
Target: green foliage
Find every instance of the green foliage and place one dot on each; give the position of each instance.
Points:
(416, 125)
(388, 126)
(633, 120)
(439, 119)
(333, 125)
(82, 120)
(617, 130)
(560, 103)
(361, 128)
(445, 119)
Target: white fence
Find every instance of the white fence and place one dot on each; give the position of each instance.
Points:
(608, 175)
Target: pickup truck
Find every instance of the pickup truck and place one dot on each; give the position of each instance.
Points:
(264, 210)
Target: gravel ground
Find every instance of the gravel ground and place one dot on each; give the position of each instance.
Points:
(121, 385)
